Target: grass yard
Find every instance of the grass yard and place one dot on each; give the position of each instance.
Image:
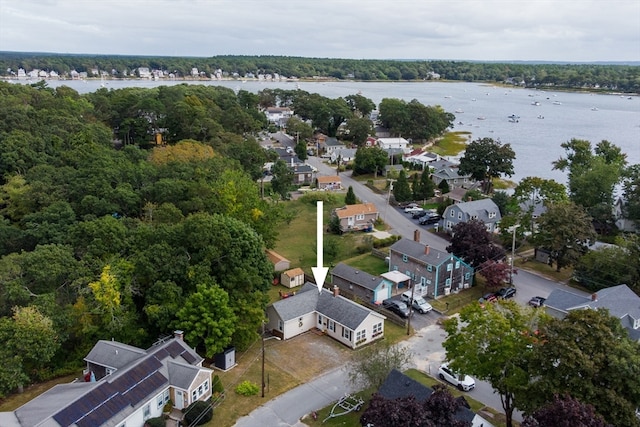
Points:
(369, 263)
(451, 144)
(15, 401)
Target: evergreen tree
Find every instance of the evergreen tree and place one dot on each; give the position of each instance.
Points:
(444, 186)
(350, 198)
(426, 187)
(401, 190)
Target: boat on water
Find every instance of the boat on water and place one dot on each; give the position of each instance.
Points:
(481, 117)
(459, 111)
(557, 103)
(594, 108)
(540, 116)
(536, 103)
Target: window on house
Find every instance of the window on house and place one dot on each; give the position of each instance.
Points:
(206, 385)
(429, 267)
(492, 214)
(452, 213)
(447, 283)
(359, 217)
(361, 335)
(346, 333)
(466, 276)
(194, 395)
(459, 215)
(428, 282)
(405, 258)
(280, 325)
(319, 320)
(449, 266)
(331, 325)
(146, 411)
(160, 401)
(377, 328)
(474, 216)
(457, 264)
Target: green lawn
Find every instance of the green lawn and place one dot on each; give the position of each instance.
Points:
(451, 144)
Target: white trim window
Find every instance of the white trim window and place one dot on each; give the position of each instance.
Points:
(361, 335)
(331, 325)
(359, 217)
(146, 411)
(377, 328)
(347, 333)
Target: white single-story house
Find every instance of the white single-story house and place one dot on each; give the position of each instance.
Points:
(340, 318)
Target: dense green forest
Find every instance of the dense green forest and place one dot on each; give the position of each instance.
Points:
(610, 77)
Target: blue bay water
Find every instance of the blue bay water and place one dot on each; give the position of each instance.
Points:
(536, 141)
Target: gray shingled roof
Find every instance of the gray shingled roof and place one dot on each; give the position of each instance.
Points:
(113, 354)
(307, 300)
(181, 375)
(303, 302)
(620, 300)
(361, 278)
(417, 250)
(480, 208)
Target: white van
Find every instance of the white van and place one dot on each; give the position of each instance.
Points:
(419, 304)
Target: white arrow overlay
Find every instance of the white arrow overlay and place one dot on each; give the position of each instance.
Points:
(320, 271)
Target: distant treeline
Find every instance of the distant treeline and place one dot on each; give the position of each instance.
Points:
(606, 77)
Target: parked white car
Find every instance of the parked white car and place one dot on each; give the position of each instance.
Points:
(462, 382)
(419, 303)
(413, 210)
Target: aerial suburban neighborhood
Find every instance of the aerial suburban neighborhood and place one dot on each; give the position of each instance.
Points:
(160, 251)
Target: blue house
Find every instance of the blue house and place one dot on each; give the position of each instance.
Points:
(434, 272)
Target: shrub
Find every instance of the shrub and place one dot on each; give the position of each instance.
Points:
(313, 196)
(198, 413)
(217, 386)
(155, 422)
(247, 388)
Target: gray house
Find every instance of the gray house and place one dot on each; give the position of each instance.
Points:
(360, 283)
(620, 300)
(435, 273)
(484, 210)
(452, 176)
(342, 319)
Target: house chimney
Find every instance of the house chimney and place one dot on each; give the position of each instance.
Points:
(594, 297)
(416, 235)
(178, 335)
(336, 291)
(426, 250)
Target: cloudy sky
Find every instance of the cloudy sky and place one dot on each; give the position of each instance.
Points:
(549, 30)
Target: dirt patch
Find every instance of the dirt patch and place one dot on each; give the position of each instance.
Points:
(308, 355)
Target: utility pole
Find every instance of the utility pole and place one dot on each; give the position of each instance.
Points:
(413, 289)
(513, 252)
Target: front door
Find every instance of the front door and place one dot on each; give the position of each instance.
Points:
(179, 400)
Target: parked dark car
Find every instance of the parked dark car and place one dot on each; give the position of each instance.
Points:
(420, 214)
(430, 219)
(397, 307)
(506, 293)
(490, 297)
(537, 301)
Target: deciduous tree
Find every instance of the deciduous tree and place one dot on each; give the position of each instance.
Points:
(565, 411)
(371, 365)
(472, 242)
(565, 230)
(369, 160)
(207, 319)
(485, 159)
(589, 355)
(282, 179)
(494, 344)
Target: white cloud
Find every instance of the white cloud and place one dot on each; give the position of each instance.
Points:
(560, 30)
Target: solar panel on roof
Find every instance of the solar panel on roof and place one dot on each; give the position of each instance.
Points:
(189, 357)
(174, 349)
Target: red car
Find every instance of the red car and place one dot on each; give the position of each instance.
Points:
(490, 297)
